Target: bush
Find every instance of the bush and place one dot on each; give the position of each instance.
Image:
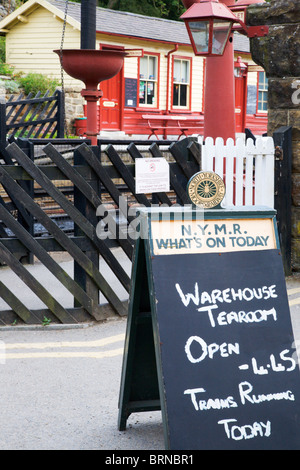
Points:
(11, 86)
(35, 82)
(2, 49)
(6, 69)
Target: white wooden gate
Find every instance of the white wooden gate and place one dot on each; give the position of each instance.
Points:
(246, 168)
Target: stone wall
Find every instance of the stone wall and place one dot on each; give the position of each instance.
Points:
(73, 107)
(279, 54)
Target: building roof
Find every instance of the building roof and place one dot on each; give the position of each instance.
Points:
(119, 23)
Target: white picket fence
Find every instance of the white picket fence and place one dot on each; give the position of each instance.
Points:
(246, 168)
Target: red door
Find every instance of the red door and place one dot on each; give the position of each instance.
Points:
(240, 96)
(111, 103)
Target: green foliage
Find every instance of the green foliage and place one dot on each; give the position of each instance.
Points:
(11, 86)
(35, 82)
(32, 82)
(19, 3)
(6, 69)
(46, 321)
(2, 49)
(169, 9)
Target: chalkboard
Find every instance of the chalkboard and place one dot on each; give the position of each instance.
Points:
(130, 92)
(231, 381)
(220, 349)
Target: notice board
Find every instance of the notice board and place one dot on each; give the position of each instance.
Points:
(130, 92)
(209, 337)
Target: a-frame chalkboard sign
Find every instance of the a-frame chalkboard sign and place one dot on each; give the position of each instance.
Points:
(209, 337)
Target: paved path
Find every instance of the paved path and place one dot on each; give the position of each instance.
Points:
(60, 389)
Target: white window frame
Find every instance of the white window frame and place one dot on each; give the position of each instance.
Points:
(149, 80)
(182, 81)
(262, 87)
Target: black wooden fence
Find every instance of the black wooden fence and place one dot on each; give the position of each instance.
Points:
(94, 182)
(32, 116)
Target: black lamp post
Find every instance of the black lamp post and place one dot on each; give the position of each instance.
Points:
(88, 24)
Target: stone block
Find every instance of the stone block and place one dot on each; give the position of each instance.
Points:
(276, 119)
(277, 12)
(279, 52)
(284, 117)
(296, 189)
(295, 222)
(294, 121)
(284, 93)
(296, 254)
(296, 157)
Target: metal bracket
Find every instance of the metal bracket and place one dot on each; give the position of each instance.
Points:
(278, 153)
(251, 31)
(257, 31)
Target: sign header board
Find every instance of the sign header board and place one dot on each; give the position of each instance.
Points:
(212, 236)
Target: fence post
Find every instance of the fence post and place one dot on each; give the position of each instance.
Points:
(28, 148)
(89, 211)
(60, 114)
(283, 192)
(2, 121)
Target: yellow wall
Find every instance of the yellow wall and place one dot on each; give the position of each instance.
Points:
(30, 45)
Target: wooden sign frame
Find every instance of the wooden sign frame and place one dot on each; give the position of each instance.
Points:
(143, 381)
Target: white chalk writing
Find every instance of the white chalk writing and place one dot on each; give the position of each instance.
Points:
(224, 349)
(227, 295)
(247, 431)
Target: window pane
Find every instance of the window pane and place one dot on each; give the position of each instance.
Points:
(266, 82)
(152, 68)
(175, 95)
(183, 95)
(176, 73)
(262, 81)
(221, 30)
(262, 101)
(184, 71)
(142, 93)
(200, 33)
(144, 67)
(150, 93)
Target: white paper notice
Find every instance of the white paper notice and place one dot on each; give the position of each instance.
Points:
(152, 175)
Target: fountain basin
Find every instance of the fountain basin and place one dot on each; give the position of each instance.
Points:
(91, 66)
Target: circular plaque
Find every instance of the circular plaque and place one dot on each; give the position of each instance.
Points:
(206, 189)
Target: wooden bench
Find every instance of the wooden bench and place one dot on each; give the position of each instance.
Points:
(176, 123)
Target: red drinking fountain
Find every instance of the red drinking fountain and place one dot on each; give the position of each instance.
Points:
(91, 67)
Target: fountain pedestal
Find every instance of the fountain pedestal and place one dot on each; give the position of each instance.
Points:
(91, 67)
